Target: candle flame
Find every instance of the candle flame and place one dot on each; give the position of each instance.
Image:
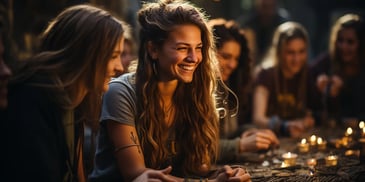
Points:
(303, 141)
(361, 125)
(319, 140)
(313, 138)
(349, 131)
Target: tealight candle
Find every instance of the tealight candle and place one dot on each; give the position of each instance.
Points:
(348, 131)
(361, 124)
(290, 158)
(348, 138)
(312, 140)
(321, 144)
(303, 146)
(331, 160)
(311, 162)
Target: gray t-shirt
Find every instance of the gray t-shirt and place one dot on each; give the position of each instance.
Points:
(119, 104)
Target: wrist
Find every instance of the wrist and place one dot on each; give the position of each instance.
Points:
(241, 146)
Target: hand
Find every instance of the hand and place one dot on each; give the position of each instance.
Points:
(155, 175)
(336, 86)
(322, 82)
(255, 140)
(296, 128)
(308, 121)
(232, 175)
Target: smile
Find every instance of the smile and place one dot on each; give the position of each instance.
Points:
(187, 68)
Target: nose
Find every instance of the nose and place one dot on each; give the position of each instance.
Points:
(118, 67)
(232, 64)
(193, 56)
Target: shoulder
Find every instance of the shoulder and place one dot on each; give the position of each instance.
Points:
(266, 73)
(128, 79)
(265, 77)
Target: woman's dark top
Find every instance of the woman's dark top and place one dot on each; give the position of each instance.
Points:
(350, 101)
(283, 100)
(33, 137)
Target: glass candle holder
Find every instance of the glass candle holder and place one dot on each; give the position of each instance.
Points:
(321, 144)
(313, 140)
(290, 159)
(303, 146)
(311, 162)
(331, 160)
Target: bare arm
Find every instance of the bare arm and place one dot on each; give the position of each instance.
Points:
(129, 155)
(260, 100)
(127, 149)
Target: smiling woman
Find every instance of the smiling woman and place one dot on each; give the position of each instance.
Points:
(54, 93)
(280, 94)
(338, 75)
(163, 117)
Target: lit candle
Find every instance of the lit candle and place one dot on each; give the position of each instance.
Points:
(361, 125)
(289, 158)
(348, 131)
(331, 160)
(303, 146)
(321, 144)
(312, 140)
(311, 162)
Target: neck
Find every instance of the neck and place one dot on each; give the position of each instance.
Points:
(167, 90)
(287, 74)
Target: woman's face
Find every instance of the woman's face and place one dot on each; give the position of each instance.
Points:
(293, 56)
(180, 54)
(228, 56)
(347, 45)
(5, 74)
(114, 65)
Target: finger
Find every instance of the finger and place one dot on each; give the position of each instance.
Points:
(167, 170)
(154, 180)
(158, 175)
(260, 146)
(245, 178)
(227, 170)
(265, 138)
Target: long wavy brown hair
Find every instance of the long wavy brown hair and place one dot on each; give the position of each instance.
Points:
(196, 125)
(75, 50)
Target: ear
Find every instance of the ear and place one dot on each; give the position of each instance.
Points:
(152, 50)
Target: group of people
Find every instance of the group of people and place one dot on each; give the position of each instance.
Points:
(179, 111)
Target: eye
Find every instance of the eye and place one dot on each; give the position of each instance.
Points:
(182, 48)
(199, 48)
(116, 56)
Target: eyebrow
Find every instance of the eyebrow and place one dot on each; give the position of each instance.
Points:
(186, 44)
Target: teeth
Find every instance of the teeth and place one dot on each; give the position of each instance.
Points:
(189, 68)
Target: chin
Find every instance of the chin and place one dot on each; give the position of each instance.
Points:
(186, 80)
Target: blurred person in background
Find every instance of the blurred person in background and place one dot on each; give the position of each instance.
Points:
(339, 74)
(235, 67)
(5, 71)
(280, 93)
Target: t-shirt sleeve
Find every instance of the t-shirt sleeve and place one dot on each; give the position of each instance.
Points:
(119, 103)
(263, 79)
